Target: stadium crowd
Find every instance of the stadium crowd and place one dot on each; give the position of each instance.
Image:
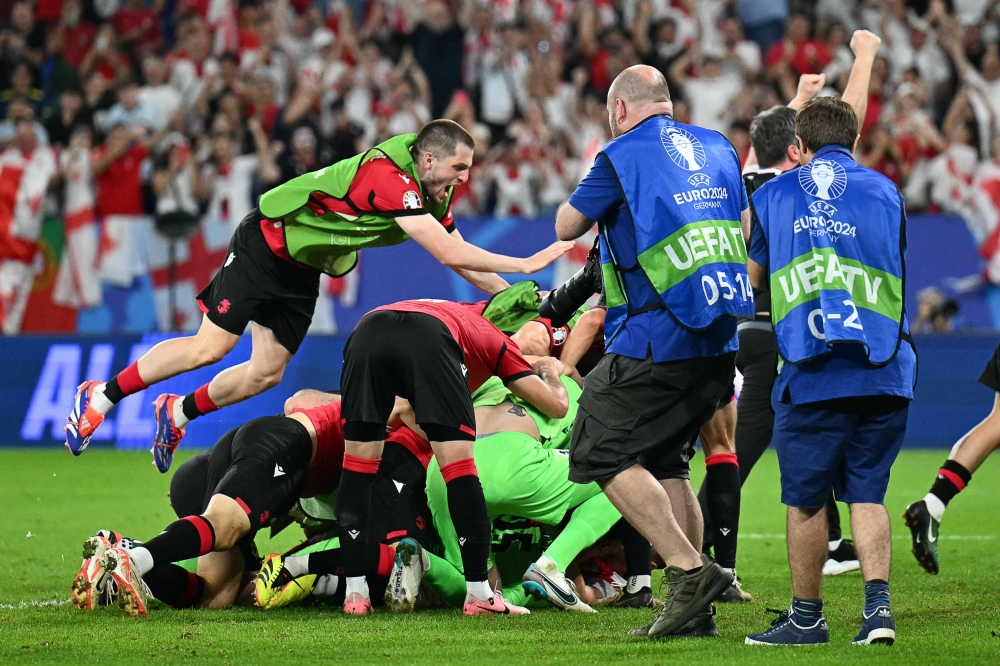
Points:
(192, 109)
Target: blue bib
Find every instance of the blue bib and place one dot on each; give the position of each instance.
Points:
(683, 189)
(836, 242)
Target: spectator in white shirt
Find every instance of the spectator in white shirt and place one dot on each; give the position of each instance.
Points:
(711, 94)
(503, 81)
(515, 183)
(161, 98)
(130, 111)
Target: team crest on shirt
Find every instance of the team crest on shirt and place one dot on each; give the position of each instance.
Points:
(411, 200)
(559, 336)
(683, 148)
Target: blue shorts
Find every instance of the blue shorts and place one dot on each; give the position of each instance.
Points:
(847, 443)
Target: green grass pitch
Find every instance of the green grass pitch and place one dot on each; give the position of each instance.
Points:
(59, 500)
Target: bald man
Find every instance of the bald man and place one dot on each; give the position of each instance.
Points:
(672, 210)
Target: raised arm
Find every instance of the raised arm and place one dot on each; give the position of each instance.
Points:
(455, 253)
(865, 46)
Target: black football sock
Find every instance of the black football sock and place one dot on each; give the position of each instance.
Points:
(722, 481)
(952, 478)
(184, 539)
(326, 562)
(175, 586)
(467, 506)
(354, 498)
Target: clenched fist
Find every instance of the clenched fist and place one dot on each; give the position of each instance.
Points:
(865, 44)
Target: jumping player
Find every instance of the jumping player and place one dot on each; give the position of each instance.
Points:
(315, 223)
(433, 354)
(222, 497)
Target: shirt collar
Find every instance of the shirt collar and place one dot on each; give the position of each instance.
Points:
(833, 148)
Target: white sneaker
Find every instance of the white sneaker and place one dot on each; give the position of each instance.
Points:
(550, 584)
(408, 571)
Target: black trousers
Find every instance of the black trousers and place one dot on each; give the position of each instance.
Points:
(757, 361)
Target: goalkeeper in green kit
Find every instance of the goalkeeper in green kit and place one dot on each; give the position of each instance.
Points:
(315, 223)
(524, 471)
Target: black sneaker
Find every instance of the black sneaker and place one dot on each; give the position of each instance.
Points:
(643, 598)
(842, 559)
(702, 626)
(689, 595)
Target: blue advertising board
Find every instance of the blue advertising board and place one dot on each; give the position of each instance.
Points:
(40, 376)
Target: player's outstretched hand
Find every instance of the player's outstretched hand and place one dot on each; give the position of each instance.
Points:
(865, 44)
(540, 260)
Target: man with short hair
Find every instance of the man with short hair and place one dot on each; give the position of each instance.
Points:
(315, 223)
(830, 244)
(774, 151)
(672, 211)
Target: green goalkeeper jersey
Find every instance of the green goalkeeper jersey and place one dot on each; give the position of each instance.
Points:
(554, 433)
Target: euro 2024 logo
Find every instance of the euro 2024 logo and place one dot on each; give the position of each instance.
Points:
(683, 148)
(823, 179)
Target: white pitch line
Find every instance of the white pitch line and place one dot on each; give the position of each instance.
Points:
(901, 537)
(35, 603)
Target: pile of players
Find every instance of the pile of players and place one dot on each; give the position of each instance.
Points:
(438, 473)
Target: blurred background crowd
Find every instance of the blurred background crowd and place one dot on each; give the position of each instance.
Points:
(117, 113)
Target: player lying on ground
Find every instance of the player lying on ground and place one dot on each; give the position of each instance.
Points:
(222, 498)
(399, 511)
(432, 354)
(315, 223)
(924, 516)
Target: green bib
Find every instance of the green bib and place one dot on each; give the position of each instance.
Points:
(516, 305)
(330, 242)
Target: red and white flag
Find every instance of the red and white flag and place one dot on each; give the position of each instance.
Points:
(24, 178)
(78, 284)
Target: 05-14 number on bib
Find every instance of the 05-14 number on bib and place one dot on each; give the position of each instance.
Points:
(719, 286)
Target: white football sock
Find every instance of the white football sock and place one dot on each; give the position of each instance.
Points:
(297, 565)
(480, 589)
(356, 584)
(834, 545)
(935, 506)
(180, 420)
(636, 583)
(143, 559)
(99, 401)
(326, 585)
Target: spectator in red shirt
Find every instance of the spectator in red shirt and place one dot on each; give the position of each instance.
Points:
(73, 35)
(116, 168)
(798, 53)
(105, 56)
(139, 27)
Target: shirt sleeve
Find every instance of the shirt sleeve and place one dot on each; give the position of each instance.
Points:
(512, 365)
(758, 244)
(599, 192)
(449, 221)
(386, 189)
